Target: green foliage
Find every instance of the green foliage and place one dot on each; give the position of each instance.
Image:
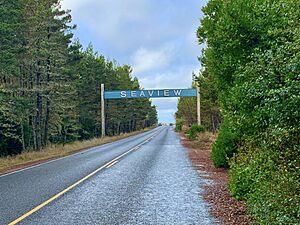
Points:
(210, 112)
(225, 145)
(270, 186)
(187, 110)
(194, 130)
(179, 124)
(50, 87)
(210, 109)
(253, 55)
(10, 45)
(10, 142)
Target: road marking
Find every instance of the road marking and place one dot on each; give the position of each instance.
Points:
(56, 196)
(110, 165)
(107, 165)
(77, 153)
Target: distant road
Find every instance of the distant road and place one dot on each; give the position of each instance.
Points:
(143, 179)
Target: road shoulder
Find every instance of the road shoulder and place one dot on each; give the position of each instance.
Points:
(224, 208)
(32, 158)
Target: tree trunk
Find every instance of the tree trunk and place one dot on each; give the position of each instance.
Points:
(23, 137)
(47, 109)
(213, 123)
(33, 125)
(39, 108)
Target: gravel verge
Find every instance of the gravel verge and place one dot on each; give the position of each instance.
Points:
(224, 207)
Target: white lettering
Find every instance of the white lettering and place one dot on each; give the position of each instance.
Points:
(150, 93)
(157, 93)
(166, 93)
(142, 94)
(133, 94)
(123, 94)
(177, 92)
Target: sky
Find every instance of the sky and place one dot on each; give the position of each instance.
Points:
(157, 38)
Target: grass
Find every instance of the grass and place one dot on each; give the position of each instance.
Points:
(29, 158)
(204, 141)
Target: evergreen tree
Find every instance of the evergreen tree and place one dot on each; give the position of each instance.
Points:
(253, 56)
(50, 87)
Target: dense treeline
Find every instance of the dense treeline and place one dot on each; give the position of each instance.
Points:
(210, 112)
(253, 56)
(50, 87)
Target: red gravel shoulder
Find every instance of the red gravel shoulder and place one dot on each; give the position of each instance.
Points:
(224, 208)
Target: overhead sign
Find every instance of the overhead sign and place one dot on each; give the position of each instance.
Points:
(163, 93)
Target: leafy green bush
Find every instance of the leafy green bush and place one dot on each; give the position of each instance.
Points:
(179, 124)
(269, 186)
(254, 60)
(194, 130)
(225, 145)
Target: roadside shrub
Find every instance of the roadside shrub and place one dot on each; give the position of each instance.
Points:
(225, 145)
(194, 130)
(270, 187)
(254, 59)
(179, 124)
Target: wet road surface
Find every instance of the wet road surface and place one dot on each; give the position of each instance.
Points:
(152, 183)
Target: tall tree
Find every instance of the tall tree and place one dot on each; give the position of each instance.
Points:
(10, 48)
(253, 55)
(50, 87)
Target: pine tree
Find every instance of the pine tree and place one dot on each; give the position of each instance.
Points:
(50, 88)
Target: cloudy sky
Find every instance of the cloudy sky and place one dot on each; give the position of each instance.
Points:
(156, 37)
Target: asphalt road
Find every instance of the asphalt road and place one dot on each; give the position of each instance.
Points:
(144, 179)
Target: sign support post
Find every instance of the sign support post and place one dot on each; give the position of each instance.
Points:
(198, 105)
(102, 112)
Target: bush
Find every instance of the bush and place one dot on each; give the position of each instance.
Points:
(194, 130)
(225, 145)
(254, 60)
(270, 188)
(179, 124)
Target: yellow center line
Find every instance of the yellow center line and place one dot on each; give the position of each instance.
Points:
(107, 165)
(56, 196)
(110, 165)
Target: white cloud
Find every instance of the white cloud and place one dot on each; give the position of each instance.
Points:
(180, 77)
(74, 5)
(157, 38)
(116, 22)
(128, 24)
(166, 116)
(166, 109)
(144, 60)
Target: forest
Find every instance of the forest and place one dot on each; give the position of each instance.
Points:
(50, 84)
(251, 74)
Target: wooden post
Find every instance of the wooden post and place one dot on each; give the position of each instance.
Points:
(198, 105)
(102, 111)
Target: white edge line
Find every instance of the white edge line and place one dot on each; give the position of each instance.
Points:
(111, 164)
(53, 160)
(107, 165)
